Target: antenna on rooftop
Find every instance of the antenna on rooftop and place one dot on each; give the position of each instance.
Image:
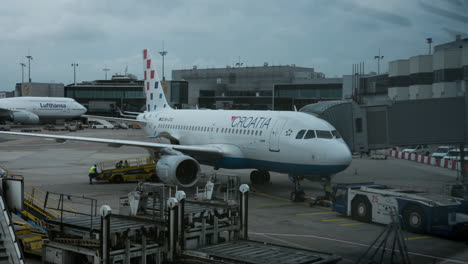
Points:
(106, 70)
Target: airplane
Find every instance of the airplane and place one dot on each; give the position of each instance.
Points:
(298, 144)
(34, 110)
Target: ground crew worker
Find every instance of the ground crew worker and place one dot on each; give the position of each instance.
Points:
(126, 165)
(92, 173)
(328, 190)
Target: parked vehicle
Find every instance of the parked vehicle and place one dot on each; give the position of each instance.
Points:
(99, 123)
(418, 149)
(454, 154)
(441, 152)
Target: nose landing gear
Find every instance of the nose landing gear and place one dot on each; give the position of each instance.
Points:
(298, 195)
(259, 177)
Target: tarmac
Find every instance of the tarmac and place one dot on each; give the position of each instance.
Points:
(63, 168)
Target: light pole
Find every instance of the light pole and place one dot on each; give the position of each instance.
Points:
(378, 58)
(106, 70)
(429, 41)
(22, 71)
(74, 65)
(29, 57)
(163, 54)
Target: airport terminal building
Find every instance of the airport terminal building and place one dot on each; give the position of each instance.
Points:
(261, 88)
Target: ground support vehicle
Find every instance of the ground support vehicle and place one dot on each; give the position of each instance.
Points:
(134, 169)
(420, 212)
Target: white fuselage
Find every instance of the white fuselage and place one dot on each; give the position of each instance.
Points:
(46, 108)
(264, 140)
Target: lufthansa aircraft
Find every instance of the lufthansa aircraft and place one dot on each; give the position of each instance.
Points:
(295, 143)
(34, 110)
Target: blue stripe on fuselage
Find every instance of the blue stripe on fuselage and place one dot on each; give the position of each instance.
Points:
(301, 169)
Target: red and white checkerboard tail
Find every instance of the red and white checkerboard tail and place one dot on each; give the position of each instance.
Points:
(153, 89)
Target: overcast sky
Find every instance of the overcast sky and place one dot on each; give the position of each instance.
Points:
(328, 35)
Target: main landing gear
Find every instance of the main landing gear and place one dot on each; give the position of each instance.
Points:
(298, 195)
(259, 177)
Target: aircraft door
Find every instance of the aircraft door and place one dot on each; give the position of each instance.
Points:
(275, 135)
(212, 131)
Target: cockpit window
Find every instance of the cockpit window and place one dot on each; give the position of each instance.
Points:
(324, 134)
(336, 134)
(300, 134)
(310, 134)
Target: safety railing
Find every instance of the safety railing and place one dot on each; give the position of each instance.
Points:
(60, 206)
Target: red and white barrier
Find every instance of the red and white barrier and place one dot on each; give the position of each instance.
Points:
(448, 164)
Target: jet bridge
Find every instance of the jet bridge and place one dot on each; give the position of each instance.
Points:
(399, 123)
(377, 126)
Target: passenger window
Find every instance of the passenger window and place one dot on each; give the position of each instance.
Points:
(324, 134)
(300, 134)
(256, 132)
(310, 134)
(336, 134)
(260, 133)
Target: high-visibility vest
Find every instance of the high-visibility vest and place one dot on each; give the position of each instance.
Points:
(328, 188)
(92, 169)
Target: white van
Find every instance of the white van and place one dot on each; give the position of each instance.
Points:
(440, 152)
(99, 123)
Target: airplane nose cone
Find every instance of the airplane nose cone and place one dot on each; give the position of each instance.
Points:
(344, 157)
(339, 154)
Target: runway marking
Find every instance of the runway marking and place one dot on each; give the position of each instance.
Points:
(355, 243)
(316, 213)
(416, 238)
(352, 224)
(333, 220)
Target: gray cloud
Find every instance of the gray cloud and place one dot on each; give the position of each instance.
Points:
(327, 35)
(446, 13)
(377, 14)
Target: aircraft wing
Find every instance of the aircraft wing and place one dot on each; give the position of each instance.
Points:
(116, 119)
(200, 150)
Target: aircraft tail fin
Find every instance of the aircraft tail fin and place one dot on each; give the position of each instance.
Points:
(153, 89)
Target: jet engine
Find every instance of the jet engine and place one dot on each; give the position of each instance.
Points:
(179, 170)
(23, 117)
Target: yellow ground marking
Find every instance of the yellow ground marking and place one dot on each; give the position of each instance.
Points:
(316, 213)
(352, 224)
(275, 204)
(334, 220)
(415, 238)
(271, 196)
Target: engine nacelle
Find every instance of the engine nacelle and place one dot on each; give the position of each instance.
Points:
(180, 170)
(23, 117)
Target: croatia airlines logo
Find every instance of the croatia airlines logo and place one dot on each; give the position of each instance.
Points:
(250, 122)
